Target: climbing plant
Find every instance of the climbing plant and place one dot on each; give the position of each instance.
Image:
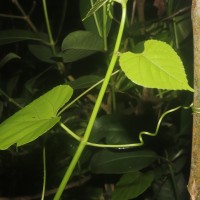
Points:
(144, 72)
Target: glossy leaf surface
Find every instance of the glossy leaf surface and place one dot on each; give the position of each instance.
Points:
(109, 162)
(80, 44)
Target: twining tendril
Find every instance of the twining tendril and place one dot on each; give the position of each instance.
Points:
(141, 141)
(195, 110)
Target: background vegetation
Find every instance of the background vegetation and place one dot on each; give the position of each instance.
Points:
(30, 66)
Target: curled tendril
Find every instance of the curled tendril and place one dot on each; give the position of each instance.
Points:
(195, 110)
(141, 141)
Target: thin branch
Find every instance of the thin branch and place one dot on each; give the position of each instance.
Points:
(10, 99)
(12, 16)
(181, 11)
(32, 9)
(25, 15)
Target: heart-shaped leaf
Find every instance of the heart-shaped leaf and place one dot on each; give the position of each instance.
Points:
(158, 66)
(34, 119)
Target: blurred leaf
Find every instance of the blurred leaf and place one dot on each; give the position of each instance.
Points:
(131, 185)
(35, 119)
(1, 107)
(12, 82)
(80, 44)
(41, 52)
(84, 82)
(108, 162)
(164, 189)
(179, 163)
(95, 22)
(116, 130)
(183, 26)
(158, 66)
(7, 58)
(11, 36)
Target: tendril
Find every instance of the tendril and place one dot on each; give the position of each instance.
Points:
(141, 141)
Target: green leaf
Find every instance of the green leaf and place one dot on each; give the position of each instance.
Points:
(84, 82)
(158, 66)
(83, 40)
(80, 44)
(131, 185)
(95, 23)
(108, 162)
(7, 58)
(183, 26)
(41, 52)
(35, 119)
(11, 36)
(164, 189)
(116, 131)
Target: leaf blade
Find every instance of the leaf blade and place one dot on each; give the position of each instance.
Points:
(131, 185)
(109, 162)
(34, 119)
(157, 67)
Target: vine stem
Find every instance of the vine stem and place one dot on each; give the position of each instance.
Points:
(44, 173)
(86, 136)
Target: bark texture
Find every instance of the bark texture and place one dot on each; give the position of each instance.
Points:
(194, 180)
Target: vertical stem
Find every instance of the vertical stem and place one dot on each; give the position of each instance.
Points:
(105, 17)
(96, 107)
(44, 173)
(96, 19)
(194, 180)
(51, 40)
(48, 27)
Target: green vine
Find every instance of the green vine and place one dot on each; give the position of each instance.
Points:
(86, 136)
(141, 141)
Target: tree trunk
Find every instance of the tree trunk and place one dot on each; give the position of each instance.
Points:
(194, 180)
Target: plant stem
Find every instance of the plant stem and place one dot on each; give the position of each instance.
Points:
(44, 173)
(105, 27)
(82, 94)
(173, 179)
(96, 19)
(48, 27)
(51, 40)
(96, 107)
